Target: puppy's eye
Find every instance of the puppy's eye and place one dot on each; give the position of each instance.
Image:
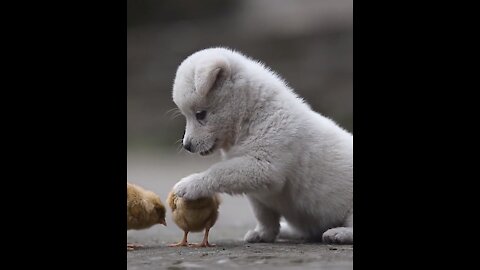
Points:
(200, 115)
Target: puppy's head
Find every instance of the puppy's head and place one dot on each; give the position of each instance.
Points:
(202, 92)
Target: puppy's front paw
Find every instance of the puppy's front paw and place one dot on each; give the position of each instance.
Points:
(341, 235)
(191, 187)
(254, 236)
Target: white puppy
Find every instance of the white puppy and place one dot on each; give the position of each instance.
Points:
(290, 161)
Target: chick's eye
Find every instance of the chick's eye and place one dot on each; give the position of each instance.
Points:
(200, 115)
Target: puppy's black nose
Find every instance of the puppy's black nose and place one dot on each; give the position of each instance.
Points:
(188, 146)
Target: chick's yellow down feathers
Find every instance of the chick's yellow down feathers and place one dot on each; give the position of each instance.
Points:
(144, 209)
(194, 216)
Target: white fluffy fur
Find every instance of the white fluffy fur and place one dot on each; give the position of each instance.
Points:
(290, 161)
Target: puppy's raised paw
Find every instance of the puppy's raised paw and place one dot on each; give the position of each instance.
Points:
(191, 187)
(341, 236)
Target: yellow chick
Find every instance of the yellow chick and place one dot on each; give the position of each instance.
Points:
(144, 209)
(194, 216)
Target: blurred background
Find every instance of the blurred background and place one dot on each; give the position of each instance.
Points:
(308, 42)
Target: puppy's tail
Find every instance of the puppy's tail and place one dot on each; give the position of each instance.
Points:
(289, 233)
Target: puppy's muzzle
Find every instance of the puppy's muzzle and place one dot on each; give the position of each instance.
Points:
(188, 147)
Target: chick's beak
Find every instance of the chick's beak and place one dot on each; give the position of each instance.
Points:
(164, 222)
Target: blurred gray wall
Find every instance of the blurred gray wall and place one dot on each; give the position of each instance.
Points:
(307, 42)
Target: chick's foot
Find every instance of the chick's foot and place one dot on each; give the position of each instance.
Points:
(133, 246)
(182, 243)
(204, 243)
(179, 244)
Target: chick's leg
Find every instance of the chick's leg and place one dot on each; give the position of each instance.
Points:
(204, 243)
(182, 243)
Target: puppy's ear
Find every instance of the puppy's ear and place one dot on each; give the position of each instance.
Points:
(209, 72)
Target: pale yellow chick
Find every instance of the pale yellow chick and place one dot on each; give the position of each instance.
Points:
(194, 216)
(144, 209)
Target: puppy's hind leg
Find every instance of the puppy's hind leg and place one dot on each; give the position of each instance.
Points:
(268, 225)
(340, 235)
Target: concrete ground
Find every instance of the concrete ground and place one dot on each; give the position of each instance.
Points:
(159, 173)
